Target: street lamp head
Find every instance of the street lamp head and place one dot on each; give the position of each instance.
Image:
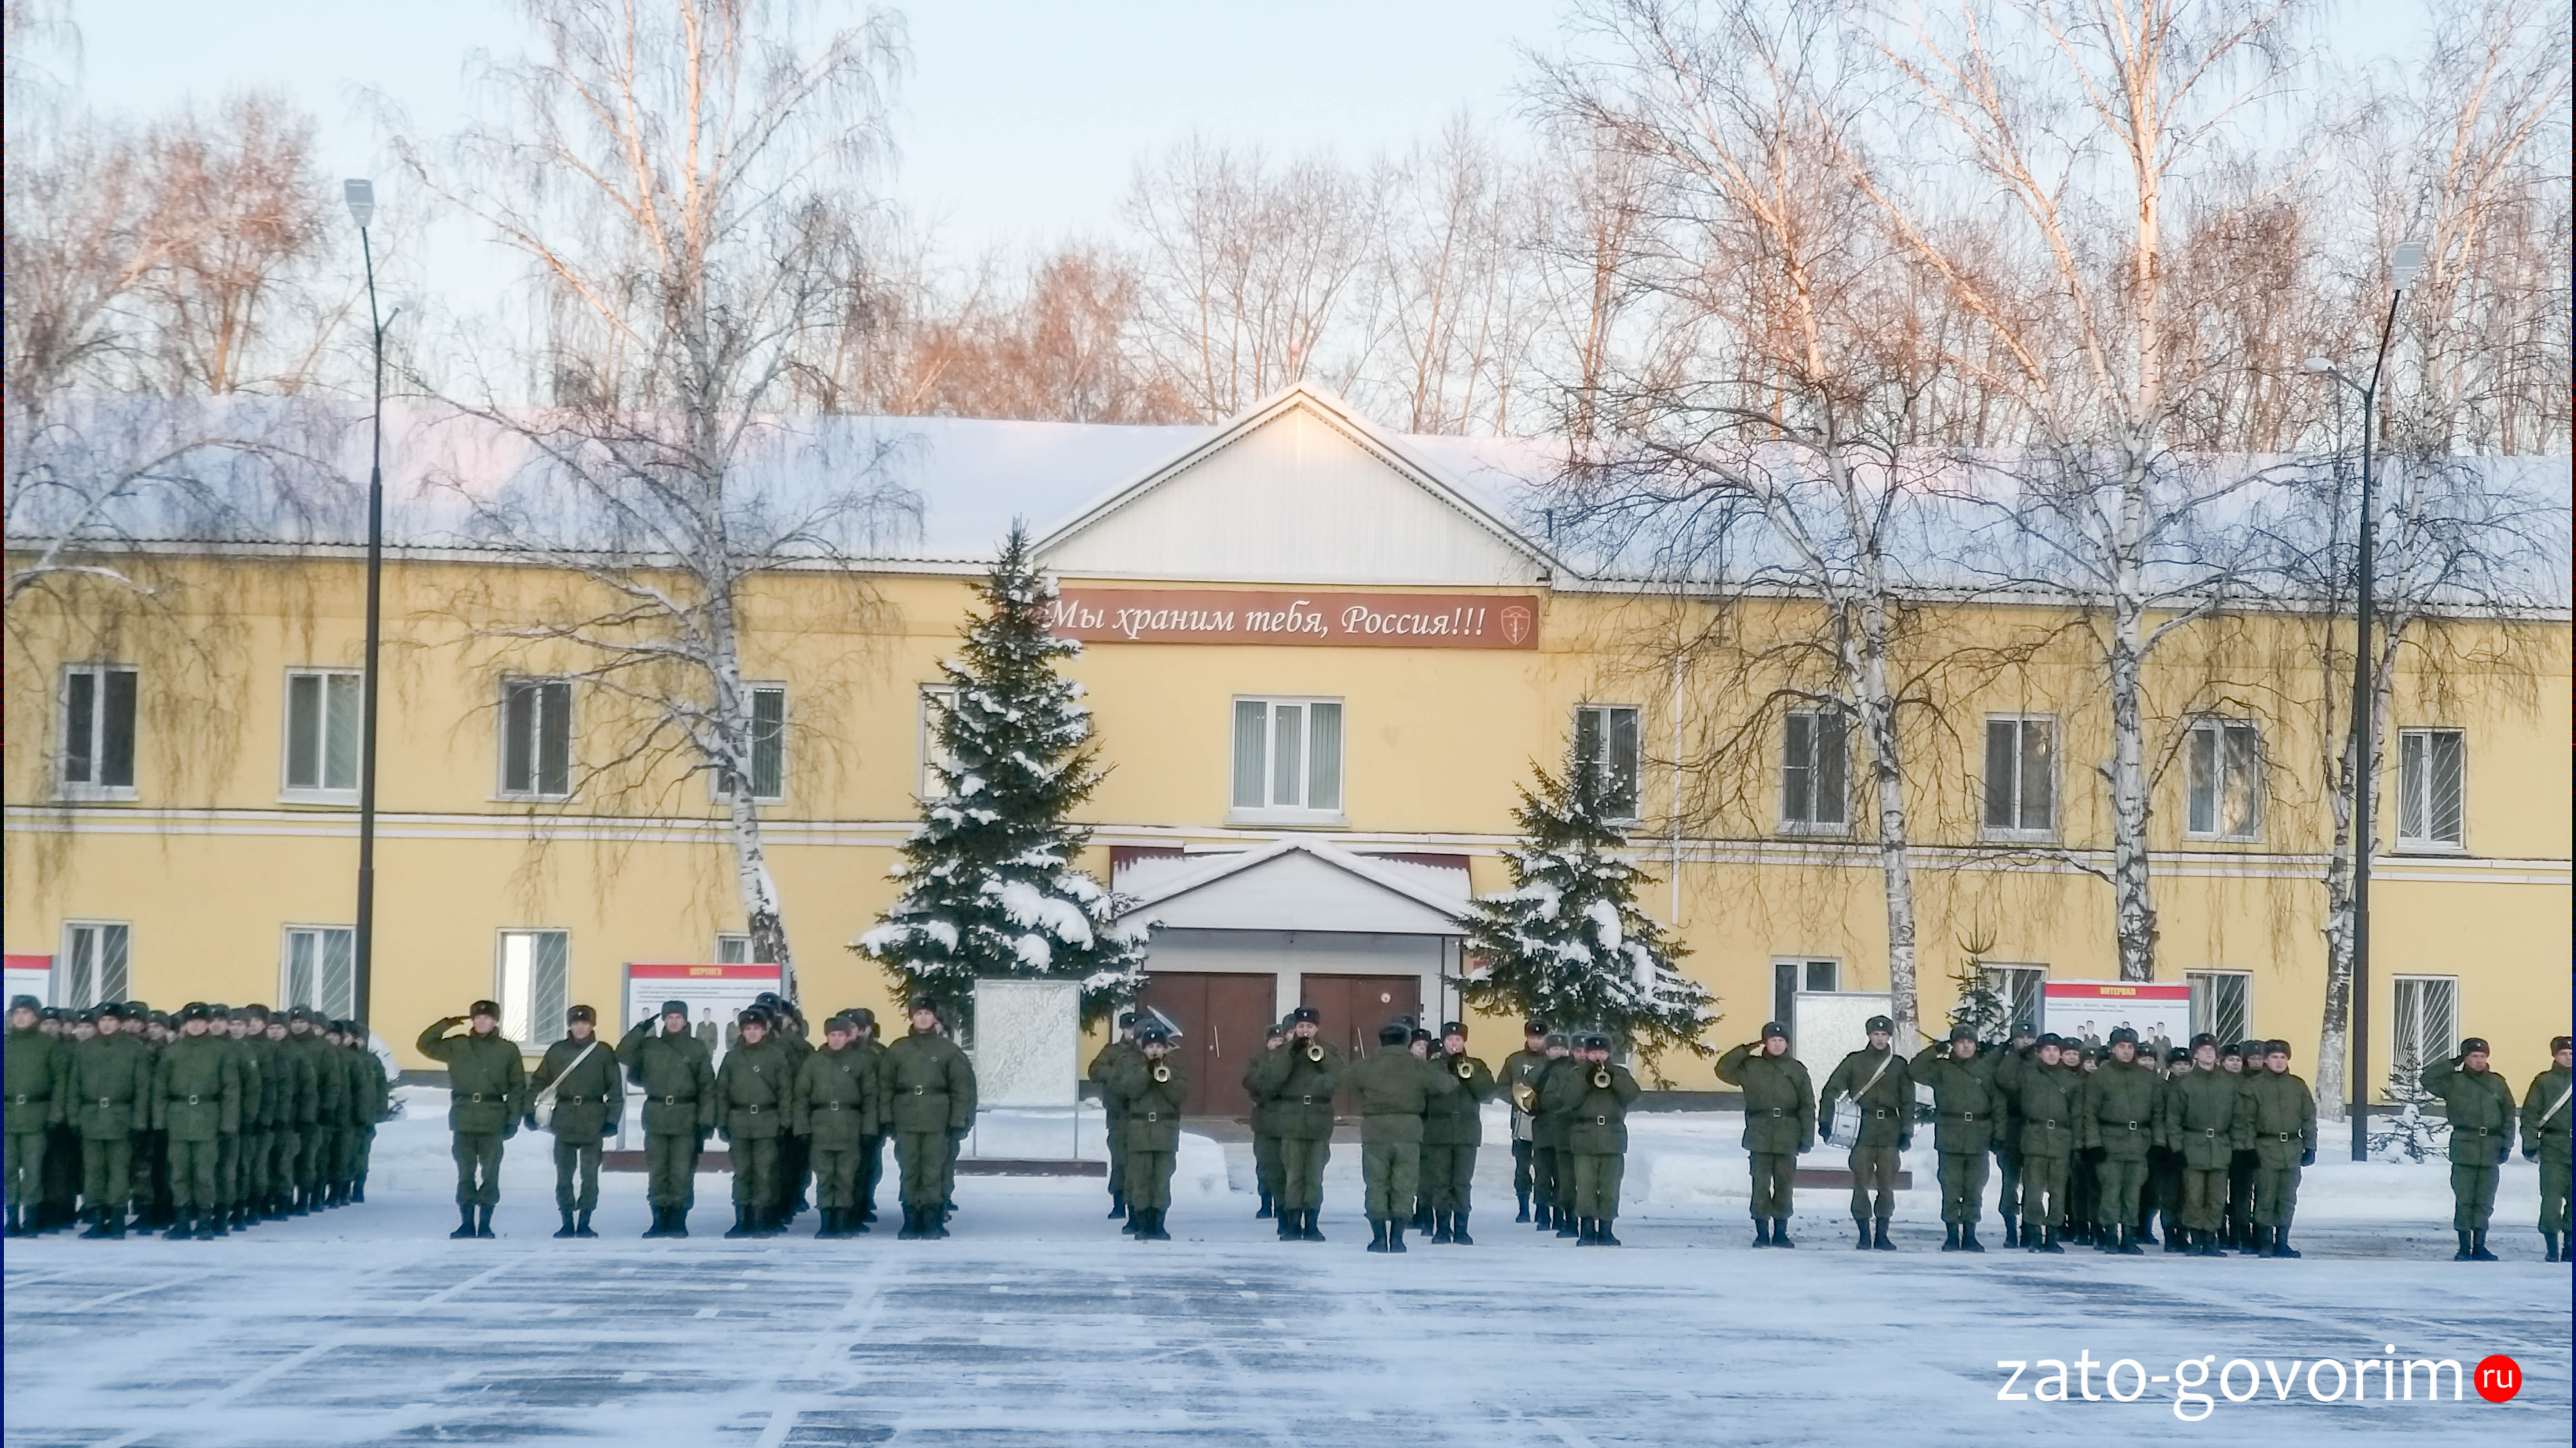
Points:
(2406, 264)
(361, 196)
(2319, 366)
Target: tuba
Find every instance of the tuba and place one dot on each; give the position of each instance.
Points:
(1600, 1078)
(1162, 1073)
(1315, 1052)
(1466, 1069)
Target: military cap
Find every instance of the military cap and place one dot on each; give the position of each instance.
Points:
(1305, 1013)
(2558, 1044)
(861, 1017)
(767, 998)
(2232, 1048)
(52, 1013)
(674, 1008)
(485, 1008)
(1533, 1027)
(753, 1015)
(2203, 1039)
(1879, 1023)
(1126, 1019)
(107, 1008)
(841, 1022)
(1559, 1038)
(1394, 1033)
(1774, 1028)
(25, 1003)
(1274, 1030)
(2052, 1039)
(1963, 1032)
(2024, 1030)
(2179, 1053)
(158, 1018)
(1453, 1028)
(1420, 1034)
(2276, 1048)
(1152, 1034)
(2124, 1033)
(134, 1009)
(2471, 1045)
(1595, 1041)
(582, 1013)
(257, 1009)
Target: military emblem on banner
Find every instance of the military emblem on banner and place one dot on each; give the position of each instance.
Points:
(1517, 624)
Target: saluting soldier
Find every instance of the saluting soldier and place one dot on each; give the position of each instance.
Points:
(1298, 1083)
(2043, 1094)
(36, 1091)
(487, 1093)
(1553, 1171)
(1967, 1108)
(1881, 1087)
(752, 1089)
(1452, 1128)
(2008, 1190)
(1519, 1081)
(1104, 1067)
(1266, 1157)
(579, 1074)
(2282, 1116)
(2117, 1115)
(1394, 1087)
(835, 1104)
(1150, 1085)
(2481, 1110)
(2547, 1140)
(1779, 1123)
(676, 1071)
(2205, 1119)
(111, 1086)
(1595, 1097)
(196, 1092)
(930, 1094)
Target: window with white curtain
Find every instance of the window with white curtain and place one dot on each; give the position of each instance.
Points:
(1288, 759)
(1815, 780)
(97, 756)
(2021, 777)
(322, 728)
(2224, 786)
(320, 970)
(535, 986)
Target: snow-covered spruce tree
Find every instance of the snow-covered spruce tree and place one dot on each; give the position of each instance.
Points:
(2410, 1135)
(989, 886)
(1567, 942)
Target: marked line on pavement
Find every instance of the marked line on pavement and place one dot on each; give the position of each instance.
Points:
(195, 1411)
(469, 1284)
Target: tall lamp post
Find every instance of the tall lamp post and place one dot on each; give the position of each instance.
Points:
(361, 196)
(2403, 267)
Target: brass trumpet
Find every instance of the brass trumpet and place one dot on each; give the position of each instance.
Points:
(1162, 1073)
(1466, 1069)
(1600, 1078)
(1315, 1052)
(1525, 1097)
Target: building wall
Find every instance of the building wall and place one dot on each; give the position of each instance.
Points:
(209, 864)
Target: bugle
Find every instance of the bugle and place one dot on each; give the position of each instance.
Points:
(1466, 1070)
(1600, 1078)
(1315, 1052)
(1162, 1073)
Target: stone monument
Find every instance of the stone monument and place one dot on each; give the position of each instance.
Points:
(1028, 1043)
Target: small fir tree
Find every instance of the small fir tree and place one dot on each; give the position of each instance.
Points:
(1567, 942)
(2410, 1135)
(989, 885)
(1977, 1004)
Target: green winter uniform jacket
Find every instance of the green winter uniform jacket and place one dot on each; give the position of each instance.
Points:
(1394, 1091)
(2206, 1118)
(1153, 1107)
(753, 1091)
(2481, 1110)
(1779, 1104)
(2546, 1112)
(297, 1096)
(838, 1099)
(677, 1077)
(487, 1084)
(368, 1088)
(1967, 1104)
(1258, 1118)
(331, 1084)
(2044, 1102)
(590, 1101)
(1298, 1090)
(1103, 1068)
(929, 1085)
(36, 1088)
(1595, 1116)
(1453, 1118)
(196, 1093)
(111, 1087)
(1886, 1106)
(2280, 1117)
(2116, 1111)
(1522, 1069)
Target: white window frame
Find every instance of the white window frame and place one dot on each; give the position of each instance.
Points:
(1833, 969)
(1998, 975)
(1603, 718)
(1789, 823)
(2423, 844)
(287, 995)
(2205, 1018)
(1269, 811)
(2428, 1048)
(97, 992)
(716, 777)
(287, 789)
(536, 762)
(2215, 728)
(2056, 744)
(533, 1023)
(934, 699)
(66, 787)
(732, 949)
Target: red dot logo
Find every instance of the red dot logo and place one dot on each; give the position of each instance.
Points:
(2499, 1378)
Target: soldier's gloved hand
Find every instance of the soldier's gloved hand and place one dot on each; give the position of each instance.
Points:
(509, 1129)
(529, 1121)
(2528, 1154)
(1825, 1130)
(2308, 1157)
(1905, 1143)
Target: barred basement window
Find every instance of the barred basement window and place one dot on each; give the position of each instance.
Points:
(2425, 1027)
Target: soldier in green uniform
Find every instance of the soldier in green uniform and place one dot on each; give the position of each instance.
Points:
(752, 1095)
(2163, 1196)
(2008, 1190)
(1518, 1079)
(1266, 1157)
(1881, 1086)
(375, 1093)
(1394, 1088)
(1593, 1098)
(2281, 1115)
(2084, 1168)
(2117, 1114)
(1779, 1123)
(111, 1086)
(579, 1075)
(672, 1066)
(1552, 1173)
(930, 1096)
(2205, 1119)
(1968, 1108)
(1297, 1084)
(150, 1163)
(196, 1092)
(60, 1206)
(2043, 1093)
(1121, 1047)
(2236, 1224)
(260, 1078)
(291, 1111)
(330, 1096)
(340, 1142)
(1452, 1129)
(1150, 1087)
(232, 1149)
(1422, 1044)
(2481, 1110)
(863, 1025)
(487, 1093)
(2546, 1139)
(835, 1104)
(36, 1094)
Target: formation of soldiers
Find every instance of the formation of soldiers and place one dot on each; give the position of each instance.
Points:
(197, 1123)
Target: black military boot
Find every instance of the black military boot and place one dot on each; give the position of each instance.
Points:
(116, 1224)
(2129, 1243)
(2281, 1242)
(1122, 1210)
(2105, 1241)
(828, 1225)
(1546, 1219)
(1309, 1232)
(1458, 1230)
(2478, 1248)
(1440, 1229)
(1860, 1234)
(566, 1229)
(1968, 1238)
(210, 1225)
(661, 1214)
(16, 1230)
(483, 1222)
(1377, 1234)
(741, 1222)
(1162, 1226)
(219, 1222)
(1761, 1231)
(1601, 1234)
(1117, 1207)
(1949, 1236)
(1524, 1216)
(2048, 1240)
(2548, 1239)
(1780, 1232)
(2209, 1245)
(581, 1225)
(2012, 1232)
(464, 1225)
(1395, 1234)
(1878, 1237)
(1265, 1213)
(854, 1223)
(1288, 1218)
(358, 1190)
(2462, 1255)
(1422, 1217)
(1567, 1226)
(2177, 1239)
(2144, 1234)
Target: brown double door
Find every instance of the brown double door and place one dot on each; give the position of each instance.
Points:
(1222, 1017)
(1353, 1007)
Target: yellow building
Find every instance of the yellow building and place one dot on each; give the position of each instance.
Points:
(1322, 659)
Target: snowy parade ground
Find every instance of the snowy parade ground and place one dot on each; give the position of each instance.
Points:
(1037, 1323)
